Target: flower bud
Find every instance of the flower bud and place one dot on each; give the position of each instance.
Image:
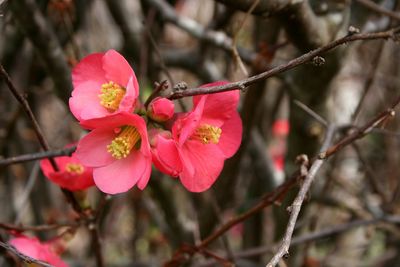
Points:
(161, 109)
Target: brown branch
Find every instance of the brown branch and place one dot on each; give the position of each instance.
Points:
(37, 228)
(298, 201)
(305, 58)
(378, 9)
(40, 155)
(40, 33)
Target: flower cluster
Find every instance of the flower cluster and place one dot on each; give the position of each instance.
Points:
(122, 144)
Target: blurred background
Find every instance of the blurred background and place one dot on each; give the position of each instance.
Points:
(351, 214)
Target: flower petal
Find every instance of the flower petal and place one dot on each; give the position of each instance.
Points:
(123, 174)
(92, 148)
(185, 125)
(117, 69)
(231, 136)
(207, 162)
(166, 156)
(218, 107)
(129, 100)
(89, 69)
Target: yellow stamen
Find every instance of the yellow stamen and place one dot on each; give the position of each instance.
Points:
(74, 168)
(122, 145)
(111, 96)
(208, 134)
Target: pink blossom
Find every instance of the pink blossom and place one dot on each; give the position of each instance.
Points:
(118, 150)
(161, 109)
(206, 136)
(71, 175)
(164, 152)
(104, 83)
(33, 248)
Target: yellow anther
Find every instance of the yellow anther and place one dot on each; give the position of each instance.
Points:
(111, 96)
(122, 145)
(74, 168)
(207, 134)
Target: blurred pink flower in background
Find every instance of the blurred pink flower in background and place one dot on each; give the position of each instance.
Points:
(72, 175)
(161, 109)
(118, 150)
(206, 136)
(33, 248)
(104, 83)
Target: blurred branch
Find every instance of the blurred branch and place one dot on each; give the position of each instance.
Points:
(378, 9)
(305, 58)
(39, 32)
(307, 30)
(37, 228)
(40, 155)
(217, 38)
(314, 236)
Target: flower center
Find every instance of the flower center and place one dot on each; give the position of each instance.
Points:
(111, 96)
(208, 134)
(74, 168)
(122, 145)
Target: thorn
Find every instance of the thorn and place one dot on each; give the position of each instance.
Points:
(353, 30)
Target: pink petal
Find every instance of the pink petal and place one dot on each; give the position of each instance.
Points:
(89, 69)
(231, 136)
(123, 174)
(117, 69)
(92, 148)
(185, 125)
(144, 180)
(207, 162)
(166, 157)
(131, 94)
(87, 106)
(218, 107)
(33, 248)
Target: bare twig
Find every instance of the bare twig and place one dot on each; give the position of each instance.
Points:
(311, 112)
(37, 228)
(305, 58)
(298, 202)
(40, 155)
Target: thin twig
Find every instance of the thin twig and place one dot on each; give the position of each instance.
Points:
(40, 155)
(305, 58)
(37, 228)
(298, 202)
(311, 112)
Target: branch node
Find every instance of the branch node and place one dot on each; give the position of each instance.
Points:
(352, 30)
(318, 61)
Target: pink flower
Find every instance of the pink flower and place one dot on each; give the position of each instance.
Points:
(165, 153)
(72, 175)
(104, 83)
(119, 152)
(33, 248)
(161, 109)
(206, 136)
